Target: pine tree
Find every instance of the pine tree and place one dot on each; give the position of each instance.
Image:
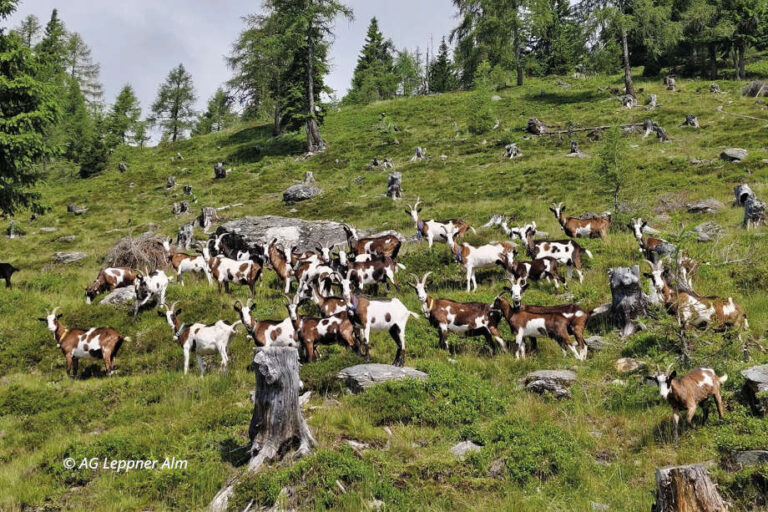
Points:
(173, 108)
(28, 109)
(123, 117)
(408, 70)
(375, 69)
(441, 76)
(217, 116)
(52, 49)
(77, 58)
(141, 134)
(76, 122)
(29, 30)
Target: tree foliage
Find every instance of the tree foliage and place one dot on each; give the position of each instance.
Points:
(123, 118)
(173, 108)
(374, 76)
(442, 77)
(217, 116)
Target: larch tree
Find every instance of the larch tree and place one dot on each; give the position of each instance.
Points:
(80, 66)
(29, 30)
(217, 116)
(408, 71)
(123, 117)
(173, 108)
(29, 109)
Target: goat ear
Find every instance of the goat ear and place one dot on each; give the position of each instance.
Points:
(648, 275)
(160, 313)
(673, 374)
(42, 319)
(59, 315)
(177, 312)
(407, 211)
(418, 210)
(253, 306)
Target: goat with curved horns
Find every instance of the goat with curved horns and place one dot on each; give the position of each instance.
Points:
(575, 227)
(183, 262)
(385, 245)
(148, 285)
(472, 258)
(266, 333)
(76, 344)
(436, 230)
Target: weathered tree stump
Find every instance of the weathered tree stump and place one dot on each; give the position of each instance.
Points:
(122, 167)
(536, 127)
(687, 488)
(277, 423)
(180, 207)
(714, 89)
(653, 127)
(742, 193)
(652, 101)
(219, 172)
(512, 151)
(670, 83)
(207, 217)
(394, 184)
(575, 152)
(754, 213)
(691, 120)
(72, 208)
(628, 302)
(185, 235)
(420, 154)
(170, 182)
(187, 190)
(178, 155)
(386, 163)
(628, 101)
(309, 177)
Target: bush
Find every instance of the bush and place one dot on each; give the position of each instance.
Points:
(480, 116)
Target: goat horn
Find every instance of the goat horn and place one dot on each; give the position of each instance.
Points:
(173, 307)
(53, 313)
(669, 367)
(424, 279)
(248, 302)
(237, 301)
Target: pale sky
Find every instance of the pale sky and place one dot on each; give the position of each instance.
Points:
(139, 41)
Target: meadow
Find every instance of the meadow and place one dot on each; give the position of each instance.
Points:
(602, 446)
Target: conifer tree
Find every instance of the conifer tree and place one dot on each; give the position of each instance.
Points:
(375, 69)
(173, 108)
(123, 117)
(29, 30)
(441, 76)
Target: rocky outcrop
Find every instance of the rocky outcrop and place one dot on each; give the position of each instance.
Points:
(362, 376)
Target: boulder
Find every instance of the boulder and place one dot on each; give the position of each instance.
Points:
(627, 365)
(595, 343)
(495, 97)
(362, 376)
(734, 154)
(553, 382)
(304, 235)
(756, 387)
(48, 230)
(300, 192)
(120, 296)
(67, 239)
(463, 448)
(709, 205)
(750, 457)
(707, 231)
(65, 258)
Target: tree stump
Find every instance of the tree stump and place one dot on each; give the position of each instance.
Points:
(180, 207)
(714, 89)
(512, 151)
(122, 167)
(420, 154)
(178, 155)
(384, 164)
(219, 172)
(628, 101)
(394, 183)
(671, 83)
(277, 424)
(184, 235)
(687, 488)
(575, 152)
(207, 217)
(309, 177)
(187, 190)
(170, 182)
(742, 193)
(72, 208)
(536, 127)
(628, 302)
(652, 101)
(754, 213)
(691, 120)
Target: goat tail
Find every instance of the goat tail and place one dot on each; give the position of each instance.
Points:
(723, 378)
(588, 253)
(234, 325)
(414, 315)
(473, 229)
(746, 324)
(400, 266)
(127, 339)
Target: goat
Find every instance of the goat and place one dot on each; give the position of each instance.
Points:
(108, 280)
(76, 344)
(313, 331)
(556, 322)
(6, 271)
(377, 316)
(199, 338)
(379, 270)
(328, 306)
(266, 333)
(472, 258)
(225, 270)
(147, 286)
(432, 229)
(690, 390)
(575, 227)
(567, 252)
(693, 310)
(534, 270)
(385, 245)
(280, 262)
(183, 262)
(651, 248)
(461, 318)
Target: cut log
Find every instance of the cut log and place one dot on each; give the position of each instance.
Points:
(512, 151)
(691, 120)
(277, 424)
(207, 217)
(742, 193)
(394, 185)
(170, 182)
(420, 154)
(628, 302)
(536, 127)
(687, 488)
(184, 235)
(754, 213)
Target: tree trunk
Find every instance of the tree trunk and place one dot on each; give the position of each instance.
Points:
(686, 488)
(314, 141)
(207, 217)
(518, 57)
(277, 423)
(740, 51)
(184, 235)
(630, 89)
(628, 303)
(713, 61)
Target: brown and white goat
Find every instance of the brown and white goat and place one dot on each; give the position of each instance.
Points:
(313, 331)
(462, 318)
(385, 245)
(183, 262)
(109, 279)
(534, 270)
(149, 285)
(556, 322)
(575, 227)
(100, 343)
(378, 270)
(693, 310)
(328, 306)
(199, 338)
(651, 248)
(280, 262)
(226, 270)
(690, 390)
(436, 230)
(266, 333)
(566, 252)
(472, 258)
(6, 271)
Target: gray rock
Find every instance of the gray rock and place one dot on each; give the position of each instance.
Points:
(553, 382)
(362, 376)
(497, 469)
(48, 230)
(566, 377)
(463, 448)
(709, 205)
(757, 377)
(304, 235)
(734, 154)
(495, 97)
(120, 296)
(543, 387)
(68, 257)
(595, 343)
(67, 239)
(628, 365)
(750, 457)
(300, 192)
(708, 231)
(599, 506)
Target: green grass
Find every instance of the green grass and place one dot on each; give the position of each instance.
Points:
(603, 445)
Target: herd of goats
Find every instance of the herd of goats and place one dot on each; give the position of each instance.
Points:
(349, 317)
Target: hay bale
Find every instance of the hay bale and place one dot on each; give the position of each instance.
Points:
(144, 251)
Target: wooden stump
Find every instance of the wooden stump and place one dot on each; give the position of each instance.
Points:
(536, 127)
(207, 217)
(742, 193)
(180, 207)
(754, 213)
(714, 89)
(219, 172)
(686, 489)
(691, 120)
(185, 235)
(512, 151)
(394, 184)
(122, 167)
(170, 182)
(72, 208)
(652, 101)
(628, 303)
(277, 424)
(187, 190)
(420, 154)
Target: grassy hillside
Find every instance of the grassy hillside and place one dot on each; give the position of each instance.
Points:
(539, 454)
